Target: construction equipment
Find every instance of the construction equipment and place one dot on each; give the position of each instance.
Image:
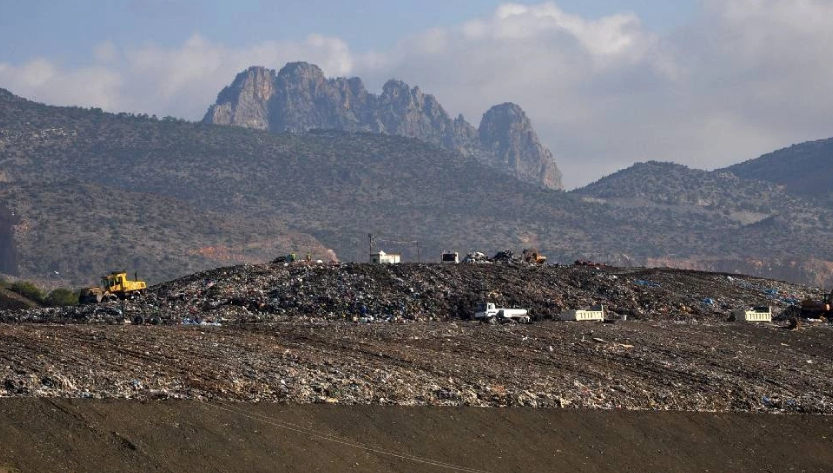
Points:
(811, 309)
(113, 286)
(488, 312)
(531, 256)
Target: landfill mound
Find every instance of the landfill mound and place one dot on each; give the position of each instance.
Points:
(419, 292)
(400, 335)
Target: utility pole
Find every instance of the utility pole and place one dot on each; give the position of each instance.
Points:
(417, 245)
(370, 253)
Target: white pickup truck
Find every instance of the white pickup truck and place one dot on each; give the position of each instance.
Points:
(487, 312)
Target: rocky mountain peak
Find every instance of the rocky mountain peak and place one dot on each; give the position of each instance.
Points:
(395, 87)
(243, 103)
(300, 98)
(301, 70)
(507, 131)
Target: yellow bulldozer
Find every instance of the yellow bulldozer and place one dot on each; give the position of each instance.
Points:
(113, 286)
(532, 256)
(813, 309)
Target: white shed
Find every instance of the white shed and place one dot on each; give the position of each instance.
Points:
(385, 258)
(594, 313)
(755, 314)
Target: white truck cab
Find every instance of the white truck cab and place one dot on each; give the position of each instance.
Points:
(487, 312)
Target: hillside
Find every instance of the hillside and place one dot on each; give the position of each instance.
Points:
(720, 195)
(804, 169)
(69, 233)
(789, 236)
(341, 186)
(10, 300)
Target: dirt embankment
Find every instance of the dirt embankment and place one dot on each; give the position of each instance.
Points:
(128, 436)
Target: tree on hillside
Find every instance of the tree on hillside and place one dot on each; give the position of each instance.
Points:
(61, 297)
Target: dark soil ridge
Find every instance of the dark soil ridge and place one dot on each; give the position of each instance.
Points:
(129, 436)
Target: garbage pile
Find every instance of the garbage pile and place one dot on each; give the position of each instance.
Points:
(422, 292)
(400, 334)
(703, 366)
(476, 257)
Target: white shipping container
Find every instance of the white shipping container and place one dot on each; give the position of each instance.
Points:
(594, 314)
(756, 314)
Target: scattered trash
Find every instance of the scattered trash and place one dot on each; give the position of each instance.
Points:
(642, 282)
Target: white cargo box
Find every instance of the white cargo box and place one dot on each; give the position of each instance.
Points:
(756, 314)
(594, 313)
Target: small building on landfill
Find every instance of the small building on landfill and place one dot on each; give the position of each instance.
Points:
(596, 313)
(385, 258)
(755, 314)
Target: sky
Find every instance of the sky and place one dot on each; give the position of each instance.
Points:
(606, 83)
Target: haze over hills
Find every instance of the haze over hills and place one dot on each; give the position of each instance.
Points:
(300, 98)
(339, 186)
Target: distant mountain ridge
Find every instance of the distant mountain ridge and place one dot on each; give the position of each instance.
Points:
(300, 98)
(805, 169)
(250, 195)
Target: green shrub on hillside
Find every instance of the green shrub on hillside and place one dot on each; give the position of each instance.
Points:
(28, 289)
(61, 297)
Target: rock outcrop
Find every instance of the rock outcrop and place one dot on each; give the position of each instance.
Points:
(299, 98)
(507, 132)
(244, 102)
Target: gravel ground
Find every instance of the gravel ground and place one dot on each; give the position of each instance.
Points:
(633, 365)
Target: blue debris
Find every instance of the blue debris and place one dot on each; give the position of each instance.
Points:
(708, 301)
(645, 283)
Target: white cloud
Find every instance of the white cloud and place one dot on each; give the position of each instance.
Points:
(181, 81)
(41, 80)
(743, 77)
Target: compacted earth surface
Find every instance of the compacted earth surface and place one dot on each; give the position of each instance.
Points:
(366, 368)
(54, 435)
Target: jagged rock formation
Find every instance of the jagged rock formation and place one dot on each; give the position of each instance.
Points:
(300, 98)
(507, 132)
(251, 90)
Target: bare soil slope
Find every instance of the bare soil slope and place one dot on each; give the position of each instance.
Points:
(166, 436)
